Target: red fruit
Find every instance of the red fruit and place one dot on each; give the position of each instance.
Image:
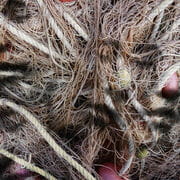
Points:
(171, 87)
(108, 171)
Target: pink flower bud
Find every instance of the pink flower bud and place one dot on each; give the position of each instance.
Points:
(171, 87)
